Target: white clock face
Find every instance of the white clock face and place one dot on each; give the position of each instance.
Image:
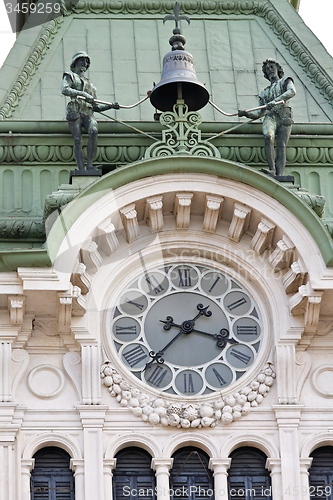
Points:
(186, 329)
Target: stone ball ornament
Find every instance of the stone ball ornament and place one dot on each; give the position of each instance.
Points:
(187, 333)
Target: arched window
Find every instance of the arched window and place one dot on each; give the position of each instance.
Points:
(321, 473)
(51, 478)
(190, 477)
(247, 476)
(133, 477)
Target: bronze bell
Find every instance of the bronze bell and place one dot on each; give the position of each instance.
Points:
(178, 79)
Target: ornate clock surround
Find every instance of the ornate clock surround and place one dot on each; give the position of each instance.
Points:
(255, 237)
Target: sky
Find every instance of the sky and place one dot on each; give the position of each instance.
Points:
(319, 20)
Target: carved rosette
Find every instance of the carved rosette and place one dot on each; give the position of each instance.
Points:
(184, 415)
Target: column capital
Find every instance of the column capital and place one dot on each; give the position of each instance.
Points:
(305, 464)
(76, 464)
(161, 462)
(27, 464)
(219, 465)
(273, 465)
(92, 415)
(288, 415)
(110, 462)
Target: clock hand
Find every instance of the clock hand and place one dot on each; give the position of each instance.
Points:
(186, 327)
(158, 356)
(222, 337)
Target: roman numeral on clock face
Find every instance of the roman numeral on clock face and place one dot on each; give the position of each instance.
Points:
(244, 358)
(135, 355)
(125, 330)
(188, 383)
(136, 304)
(247, 330)
(219, 377)
(154, 284)
(184, 277)
(214, 284)
(157, 376)
(236, 304)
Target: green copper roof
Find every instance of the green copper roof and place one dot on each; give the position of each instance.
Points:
(127, 40)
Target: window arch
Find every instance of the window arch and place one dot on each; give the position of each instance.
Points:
(321, 473)
(248, 477)
(51, 478)
(133, 477)
(190, 477)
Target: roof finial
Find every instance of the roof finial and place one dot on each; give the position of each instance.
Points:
(177, 41)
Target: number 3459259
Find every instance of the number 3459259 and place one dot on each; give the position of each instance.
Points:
(31, 8)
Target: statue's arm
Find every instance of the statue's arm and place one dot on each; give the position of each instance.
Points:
(253, 115)
(104, 107)
(66, 89)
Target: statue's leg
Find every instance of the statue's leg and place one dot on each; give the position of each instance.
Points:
(268, 129)
(283, 134)
(90, 124)
(75, 127)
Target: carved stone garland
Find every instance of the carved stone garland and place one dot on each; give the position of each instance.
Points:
(184, 415)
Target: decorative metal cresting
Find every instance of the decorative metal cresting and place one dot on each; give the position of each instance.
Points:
(179, 95)
(181, 135)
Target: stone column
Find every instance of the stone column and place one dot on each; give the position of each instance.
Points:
(305, 464)
(77, 466)
(274, 466)
(92, 418)
(26, 467)
(108, 466)
(288, 418)
(91, 382)
(162, 467)
(5, 370)
(220, 466)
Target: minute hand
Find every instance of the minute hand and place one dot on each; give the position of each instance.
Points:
(158, 356)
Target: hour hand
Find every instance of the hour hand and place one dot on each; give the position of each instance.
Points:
(169, 323)
(222, 337)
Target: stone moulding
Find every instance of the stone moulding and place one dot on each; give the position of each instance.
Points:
(160, 410)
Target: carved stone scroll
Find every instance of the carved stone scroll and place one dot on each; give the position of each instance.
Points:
(282, 255)
(79, 304)
(153, 212)
(294, 278)
(64, 311)
(182, 210)
(212, 214)
(129, 219)
(240, 222)
(16, 308)
(263, 237)
(81, 278)
(91, 256)
(106, 237)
